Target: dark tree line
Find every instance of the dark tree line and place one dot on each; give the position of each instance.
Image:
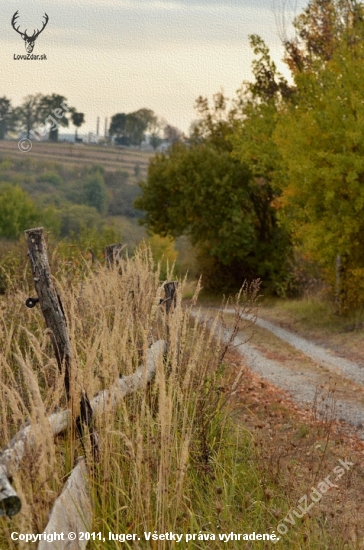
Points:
(38, 115)
(130, 128)
(41, 115)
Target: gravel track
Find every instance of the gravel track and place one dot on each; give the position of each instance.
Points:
(303, 386)
(352, 371)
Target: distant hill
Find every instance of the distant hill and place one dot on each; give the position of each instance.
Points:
(56, 176)
(111, 158)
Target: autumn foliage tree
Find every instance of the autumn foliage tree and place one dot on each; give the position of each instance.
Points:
(320, 28)
(320, 140)
(198, 189)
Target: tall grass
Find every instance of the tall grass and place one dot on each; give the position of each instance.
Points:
(172, 459)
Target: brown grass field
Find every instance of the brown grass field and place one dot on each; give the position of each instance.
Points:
(111, 158)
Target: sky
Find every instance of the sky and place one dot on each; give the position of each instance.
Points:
(112, 56)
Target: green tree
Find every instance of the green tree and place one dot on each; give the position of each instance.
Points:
(5, 113)
(28, 115)
(257, 110)
(129, 129)
(74, 219)
(118, 128)
(77, 120)
(17, 211)
(322, 176)
(135, 128)
(54, 111)
(199, 190)
(96, 192)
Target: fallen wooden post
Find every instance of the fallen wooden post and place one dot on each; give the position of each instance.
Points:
(13, 453)
(71, 512)
(10, 503)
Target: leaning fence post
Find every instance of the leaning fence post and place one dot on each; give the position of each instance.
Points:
(53, 312)
(49, 302)
(170, 302)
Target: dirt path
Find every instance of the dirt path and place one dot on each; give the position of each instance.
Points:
(340, 365)
(301, 368)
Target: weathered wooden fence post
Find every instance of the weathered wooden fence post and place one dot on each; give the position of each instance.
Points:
(339, 270)
(170, 302)
(55, 319)
(112, 254)
(49, 302)
(170, 290)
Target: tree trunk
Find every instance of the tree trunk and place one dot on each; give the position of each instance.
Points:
(338, 285)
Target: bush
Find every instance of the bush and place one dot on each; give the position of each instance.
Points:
(17, 211)
(52, 178)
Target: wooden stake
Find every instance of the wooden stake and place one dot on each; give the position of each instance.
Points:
(50, 302)
(55, 319)
(113, 254)
(170, 289)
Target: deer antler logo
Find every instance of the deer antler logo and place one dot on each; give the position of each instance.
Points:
(29, 40)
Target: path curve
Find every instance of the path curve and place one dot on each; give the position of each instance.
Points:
(302, 386)
(352, 371)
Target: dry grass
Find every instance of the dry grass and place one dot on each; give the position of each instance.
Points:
(173, 458)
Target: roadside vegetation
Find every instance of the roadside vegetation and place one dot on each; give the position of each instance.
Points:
(178, 457)
(269, 186)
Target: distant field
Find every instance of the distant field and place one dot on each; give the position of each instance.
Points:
(111, 158)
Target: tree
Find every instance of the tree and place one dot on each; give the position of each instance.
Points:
(146, 116)
(172, 133)
(129, 129)
(319, 30)
(118, 128)
(322, 176)
(155, 129)
(257, 111)
(17, 211)
(73, 219)
(53, 111)
(5, 112)
(28, 115)
(197, 189)
(96, 192)
(77, 120)
(135, 128)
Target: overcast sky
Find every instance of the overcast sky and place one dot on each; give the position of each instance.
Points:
(109, 56)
